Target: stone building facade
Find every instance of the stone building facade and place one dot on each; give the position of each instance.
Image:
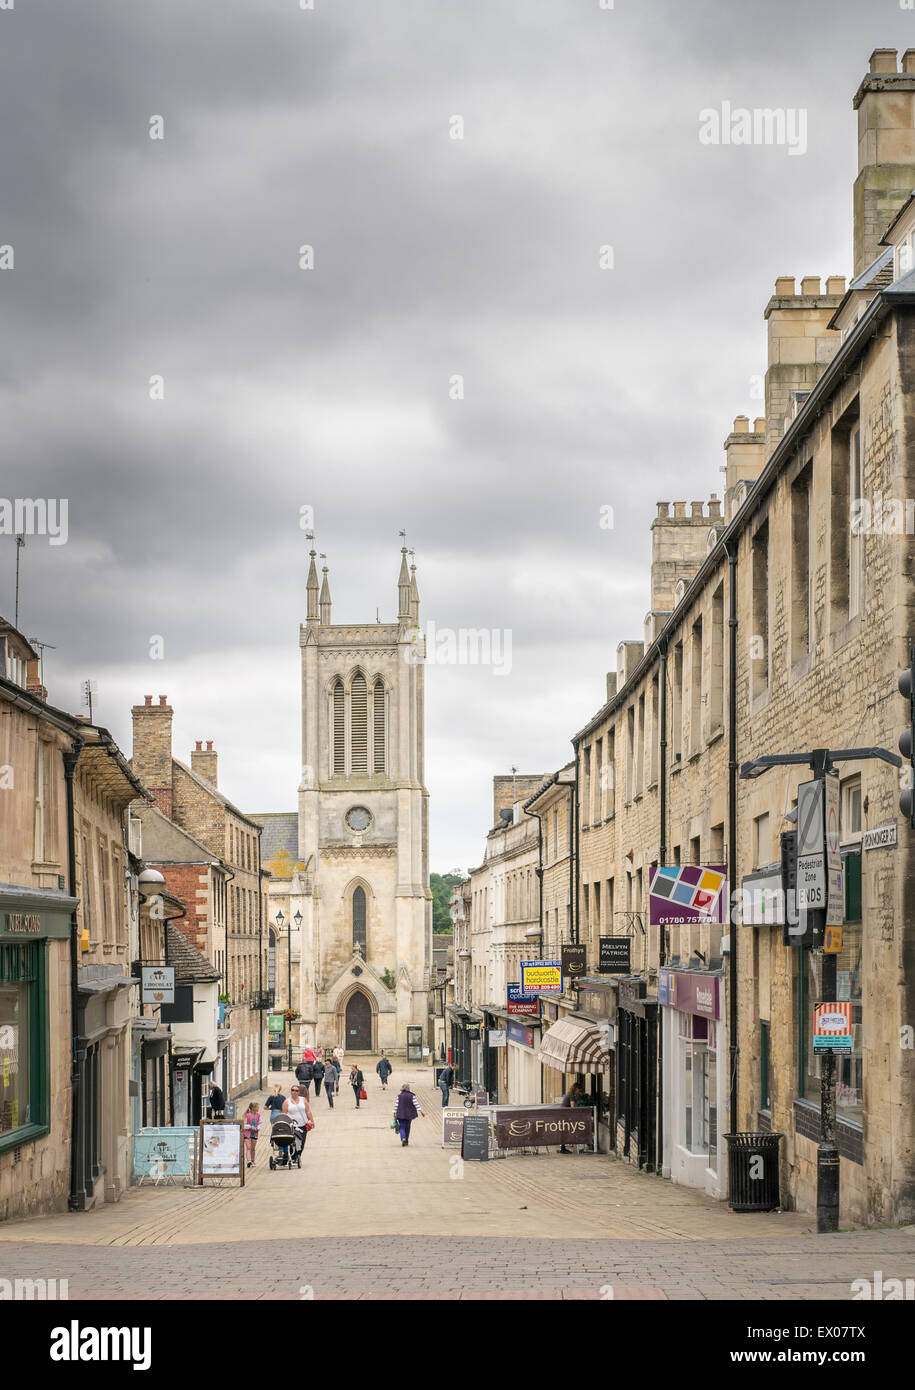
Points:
(350, 903)
(230, 902)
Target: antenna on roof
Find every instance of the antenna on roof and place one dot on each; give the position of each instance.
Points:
(90, 688)
(20, 542)
(41, 647)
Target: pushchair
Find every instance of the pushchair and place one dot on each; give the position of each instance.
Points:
(285, 1144)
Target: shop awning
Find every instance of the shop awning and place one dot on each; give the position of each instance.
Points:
(574, 1045)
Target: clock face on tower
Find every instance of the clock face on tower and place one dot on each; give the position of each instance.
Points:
(358, 819)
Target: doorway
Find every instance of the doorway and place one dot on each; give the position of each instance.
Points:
(358, 1023)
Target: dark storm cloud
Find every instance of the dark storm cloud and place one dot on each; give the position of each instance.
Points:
(583, 388)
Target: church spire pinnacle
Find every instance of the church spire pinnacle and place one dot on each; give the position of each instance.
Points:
(325, 599)
(414, 598)
(311, 590)
(403, 586)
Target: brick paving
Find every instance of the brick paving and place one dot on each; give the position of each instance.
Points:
(367, 1219)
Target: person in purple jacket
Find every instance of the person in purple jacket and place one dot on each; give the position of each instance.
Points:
(405, 1113)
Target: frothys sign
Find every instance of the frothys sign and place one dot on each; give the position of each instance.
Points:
(544, 1125)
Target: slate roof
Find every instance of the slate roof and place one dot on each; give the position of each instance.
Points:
(191, 966)
(280, 832)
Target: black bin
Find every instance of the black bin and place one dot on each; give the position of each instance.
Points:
(753, 1178)
(276, 1062)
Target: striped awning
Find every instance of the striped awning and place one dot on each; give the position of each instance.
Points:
(575, 1045)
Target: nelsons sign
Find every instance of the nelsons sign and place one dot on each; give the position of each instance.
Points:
(544, 1125)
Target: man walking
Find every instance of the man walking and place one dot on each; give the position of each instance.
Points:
(446, 1081)
(304, 1073)
(217, 1101)
(318, 1071)
(330, 1083)
(384, 1070)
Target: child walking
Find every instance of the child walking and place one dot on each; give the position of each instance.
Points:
(252, 1130)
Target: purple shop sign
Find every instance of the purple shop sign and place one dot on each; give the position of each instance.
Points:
(691, 993)
(679, 894)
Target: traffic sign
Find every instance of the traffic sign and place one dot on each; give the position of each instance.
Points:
(832, 943)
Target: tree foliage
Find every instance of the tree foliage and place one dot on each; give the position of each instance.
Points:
(442, 886)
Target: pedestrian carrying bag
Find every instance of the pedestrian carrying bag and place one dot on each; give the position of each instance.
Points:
(363, 1094)
(394, 1123)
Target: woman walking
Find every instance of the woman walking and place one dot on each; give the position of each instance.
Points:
(357, 1081)
(274, 1104)
(384, 1070)
(330, 1083)
(405, 1113)
(299, 1111)
(252, 1130)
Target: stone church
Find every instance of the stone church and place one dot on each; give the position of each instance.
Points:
(349, 907)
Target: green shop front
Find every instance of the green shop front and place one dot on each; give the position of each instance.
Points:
(35, 1038)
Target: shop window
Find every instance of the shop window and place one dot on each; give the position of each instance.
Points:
(23, 1083)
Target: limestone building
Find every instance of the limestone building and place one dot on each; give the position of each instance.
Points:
(350, 910)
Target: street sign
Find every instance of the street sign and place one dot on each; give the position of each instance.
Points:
(832, 1028)
(832, 943)
(158, 984)
(497, 1037)
(810, 817)
(542, 976)
(881, 837)
(835, 889)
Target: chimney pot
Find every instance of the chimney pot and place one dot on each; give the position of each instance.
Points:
(835, 284)
(696, 508)
(209, 745)
(163, 701)
(759, 424)
(908, 60)
(741, 424)
(664, 509)
(148, 699)
(679, 509)
(784, 285)
(199, 744)
(883, 60)
(810, 284)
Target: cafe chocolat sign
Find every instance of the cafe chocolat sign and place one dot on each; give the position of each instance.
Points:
(543, 1126)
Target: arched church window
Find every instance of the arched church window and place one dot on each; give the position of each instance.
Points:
(378, 696)
(339, 764)
(359, 729)
(359, 919)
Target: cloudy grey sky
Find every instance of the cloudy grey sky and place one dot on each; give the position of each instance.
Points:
(583, 387)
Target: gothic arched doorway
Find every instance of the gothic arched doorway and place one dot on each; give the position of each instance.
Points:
(358, 1025)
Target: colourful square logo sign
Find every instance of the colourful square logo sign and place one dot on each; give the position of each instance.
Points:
(682, 893)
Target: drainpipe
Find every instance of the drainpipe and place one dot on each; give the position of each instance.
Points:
(539, 872)
(662, 859)
(573, 858)
(77, 1198)
(733, 1049)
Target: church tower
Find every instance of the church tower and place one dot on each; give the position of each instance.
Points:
(365, 946)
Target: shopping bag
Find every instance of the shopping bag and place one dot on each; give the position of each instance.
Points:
(363, 1094)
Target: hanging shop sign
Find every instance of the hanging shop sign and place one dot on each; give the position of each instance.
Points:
(615, 955)
(573, 961)
(541, 976)
(473, 1032)
(544, 1125)
(519, 1002)
(497, 1037)
(158, 984)
(679, 894)
(762, 899)
(519, 1033)
(832, 1028)
(691, 993)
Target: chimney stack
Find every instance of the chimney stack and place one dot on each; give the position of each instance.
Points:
(885, 103)
(152, 749)
(678, 548)
(203, 761)
(800, 346)
(745, 453)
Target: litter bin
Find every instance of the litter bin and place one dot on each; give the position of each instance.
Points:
(753, 1178)
(276, 1062)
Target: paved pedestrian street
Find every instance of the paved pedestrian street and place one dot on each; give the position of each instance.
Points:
(368, 1219)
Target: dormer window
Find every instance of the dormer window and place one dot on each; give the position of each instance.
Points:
(904, 258)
